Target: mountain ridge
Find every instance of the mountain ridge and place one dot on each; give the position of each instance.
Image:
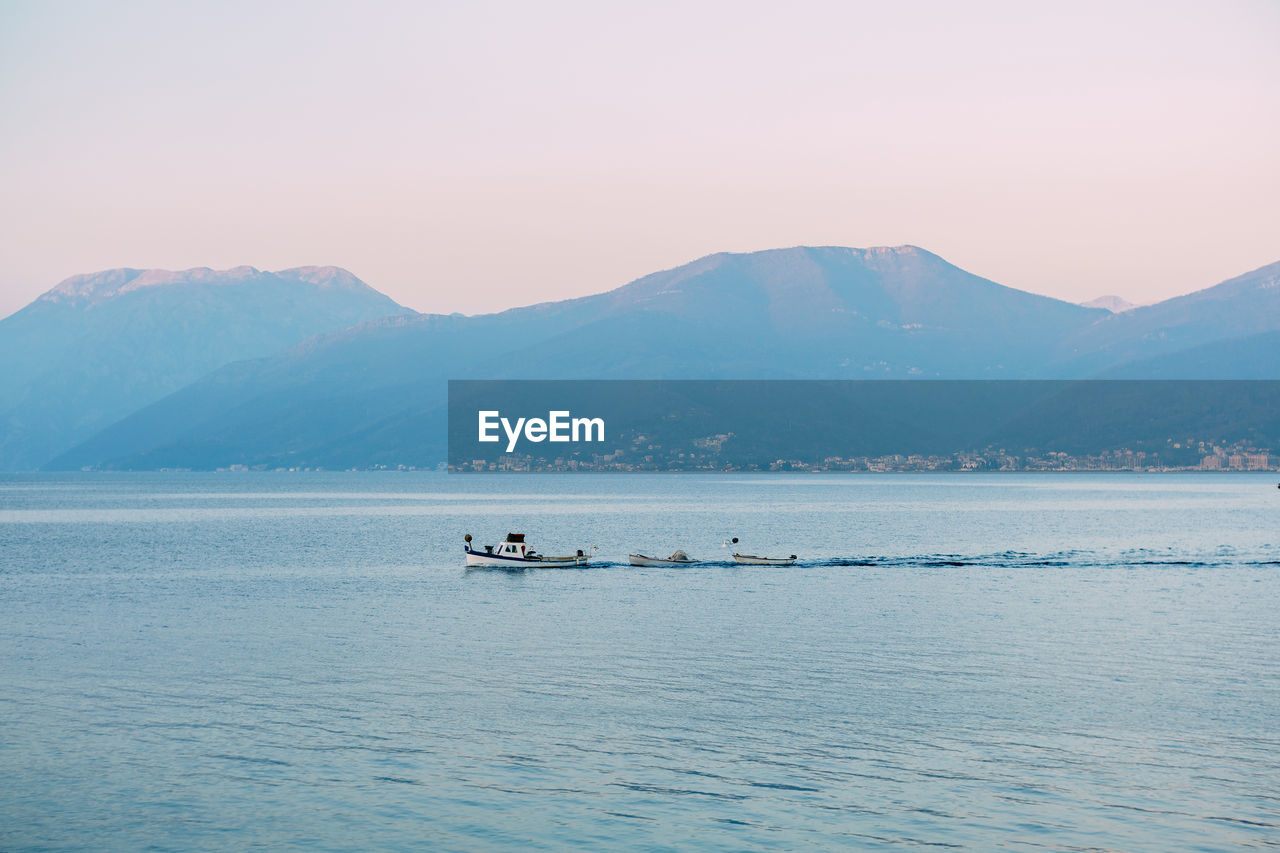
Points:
(107, 284)
(373, 390)
(374, 394)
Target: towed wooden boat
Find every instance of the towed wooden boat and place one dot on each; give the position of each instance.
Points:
(514, 553)
(753, 560)
(679, 558)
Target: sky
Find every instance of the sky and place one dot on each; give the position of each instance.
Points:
(475, 156)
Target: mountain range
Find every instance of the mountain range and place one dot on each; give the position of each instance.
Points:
(365, 393)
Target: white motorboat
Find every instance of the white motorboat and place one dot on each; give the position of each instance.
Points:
(513, 552)
(753, 560)
(679, 558)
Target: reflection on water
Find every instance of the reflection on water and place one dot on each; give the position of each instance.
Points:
(1027, 661)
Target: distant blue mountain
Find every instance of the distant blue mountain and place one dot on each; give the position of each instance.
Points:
(374, 393)
(98, 347)
(1142, 343)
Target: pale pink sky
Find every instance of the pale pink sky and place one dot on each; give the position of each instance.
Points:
(472, 156)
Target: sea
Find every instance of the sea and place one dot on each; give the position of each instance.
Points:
(300, 661)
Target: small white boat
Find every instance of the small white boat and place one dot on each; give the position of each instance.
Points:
(679, 558)
(753, 560)
(513, 552)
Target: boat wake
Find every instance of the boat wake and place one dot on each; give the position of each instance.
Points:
(1134, 558)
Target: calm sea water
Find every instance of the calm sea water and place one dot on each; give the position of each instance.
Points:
(300, 661)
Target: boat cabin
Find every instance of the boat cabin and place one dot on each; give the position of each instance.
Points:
(512, 546)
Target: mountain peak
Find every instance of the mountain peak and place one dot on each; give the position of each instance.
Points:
(1114, 304)
(88, 286)
(905, 250)
(97, 287)
(325, 277)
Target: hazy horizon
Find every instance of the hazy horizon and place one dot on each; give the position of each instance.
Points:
(473, 159)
